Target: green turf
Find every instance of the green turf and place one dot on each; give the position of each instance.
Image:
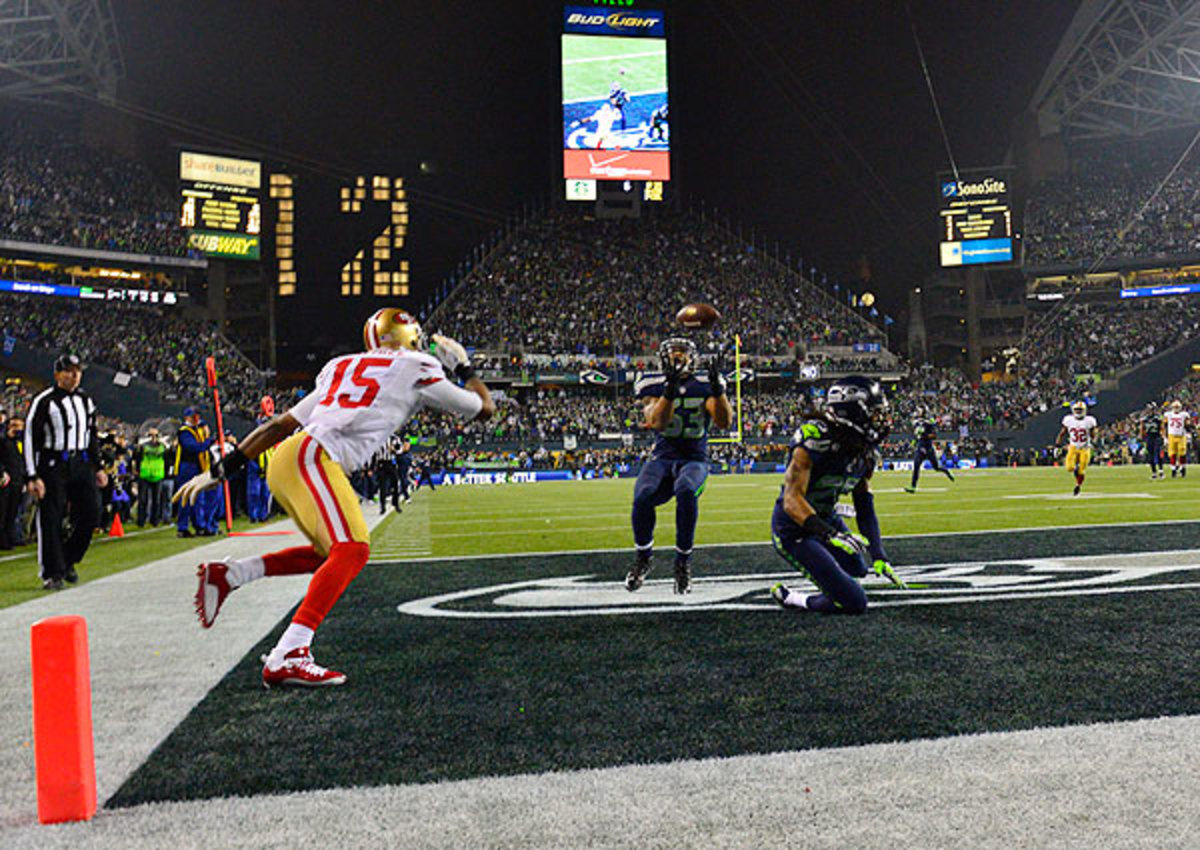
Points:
(19, 580)
(555, 516)
(433, 698)
(593, 62)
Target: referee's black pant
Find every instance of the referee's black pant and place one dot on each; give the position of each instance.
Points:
(389, 486)
(70, 485)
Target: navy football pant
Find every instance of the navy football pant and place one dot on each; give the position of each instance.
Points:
(920, 457)
(833, 571)
(659, 482)
(1154, 455)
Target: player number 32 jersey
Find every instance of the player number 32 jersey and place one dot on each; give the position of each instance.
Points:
(360, 399)
(1079, 430)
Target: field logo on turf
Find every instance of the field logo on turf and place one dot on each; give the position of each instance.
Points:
(934, 584)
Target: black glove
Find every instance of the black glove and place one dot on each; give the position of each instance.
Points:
(671, 373)
(716, 381)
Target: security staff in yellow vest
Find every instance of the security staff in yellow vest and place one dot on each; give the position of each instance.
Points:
(153, 498)
(191, 458)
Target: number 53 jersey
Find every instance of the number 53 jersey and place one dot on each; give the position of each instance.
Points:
(360, 400)
(686, 434)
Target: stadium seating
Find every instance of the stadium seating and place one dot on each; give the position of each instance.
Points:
(568, 284)
(55, 191)
(153, 342)
(1099, 210)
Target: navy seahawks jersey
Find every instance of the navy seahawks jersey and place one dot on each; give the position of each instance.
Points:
(686, 435)
(926, 432)
(834, 472)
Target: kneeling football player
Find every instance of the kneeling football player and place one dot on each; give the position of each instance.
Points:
(831, 455)
(678, 405)
(358, 402)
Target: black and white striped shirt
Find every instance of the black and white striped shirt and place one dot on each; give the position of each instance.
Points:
(58, 422)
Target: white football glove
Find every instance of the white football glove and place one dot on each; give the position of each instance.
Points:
(187, 494)
(452, 355)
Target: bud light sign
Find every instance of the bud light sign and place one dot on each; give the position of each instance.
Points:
(592, 21)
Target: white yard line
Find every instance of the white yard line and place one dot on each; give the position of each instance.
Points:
(1131, 784)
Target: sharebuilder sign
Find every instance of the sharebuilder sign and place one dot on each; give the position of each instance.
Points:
(593, 21)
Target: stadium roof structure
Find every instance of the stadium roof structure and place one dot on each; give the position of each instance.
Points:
(51, 50)
(1124, 68)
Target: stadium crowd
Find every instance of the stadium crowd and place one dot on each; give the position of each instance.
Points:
(156, 343)
(1096, 211)
(60, 192)
(568, 284)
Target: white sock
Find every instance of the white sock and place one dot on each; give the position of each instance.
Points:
(294, 637)
(795, 599)
(245, 570)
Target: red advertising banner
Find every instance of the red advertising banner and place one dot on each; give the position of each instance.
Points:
(616, 165)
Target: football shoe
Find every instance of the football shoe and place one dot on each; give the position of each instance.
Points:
(298, 668)
(214, 587)
(683, 575)
(637, 576)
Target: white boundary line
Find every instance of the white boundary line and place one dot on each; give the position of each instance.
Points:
(494, 556)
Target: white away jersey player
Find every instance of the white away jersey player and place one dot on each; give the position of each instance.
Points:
(361, 399)
(1177, 423)
(1079, 430)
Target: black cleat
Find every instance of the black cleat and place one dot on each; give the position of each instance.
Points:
(71, 576)
(683, 576)
(1076, 493)
(184, 533)
(52, 584)
(637, 576)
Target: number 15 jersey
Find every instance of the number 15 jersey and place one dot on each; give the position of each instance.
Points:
(360, 400)
(686, 434)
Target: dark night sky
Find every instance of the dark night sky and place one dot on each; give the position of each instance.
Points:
(809, 122)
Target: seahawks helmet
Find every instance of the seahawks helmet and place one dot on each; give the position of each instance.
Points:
(679, 352)
(392, 328)
(858, 403)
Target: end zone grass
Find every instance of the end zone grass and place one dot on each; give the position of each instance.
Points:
(580, 515)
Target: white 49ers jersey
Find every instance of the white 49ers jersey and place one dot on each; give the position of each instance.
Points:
(1079, 430)
(1177, 423)
(361, 399)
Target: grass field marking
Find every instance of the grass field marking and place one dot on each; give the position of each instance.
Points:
(615, 57)
(1069, 497)
(1038, 594)
(710, 523)
(766, 543)
(583, 595)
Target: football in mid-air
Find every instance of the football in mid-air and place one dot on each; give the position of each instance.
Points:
(698, 316)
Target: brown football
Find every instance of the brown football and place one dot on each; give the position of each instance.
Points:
(698, 316)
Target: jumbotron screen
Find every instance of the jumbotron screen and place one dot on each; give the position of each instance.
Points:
(220, 204)
(616, 125)
(978, 227)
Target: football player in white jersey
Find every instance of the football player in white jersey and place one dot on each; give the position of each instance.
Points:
(1175, 428)
(358, 402)
(1077, 427)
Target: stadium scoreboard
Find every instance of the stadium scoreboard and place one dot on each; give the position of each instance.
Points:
(977, 218)
(615, 99)
(220, 204)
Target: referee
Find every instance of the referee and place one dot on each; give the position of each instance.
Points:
(62, 468)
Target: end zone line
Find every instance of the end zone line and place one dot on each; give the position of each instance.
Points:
(493, 556)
